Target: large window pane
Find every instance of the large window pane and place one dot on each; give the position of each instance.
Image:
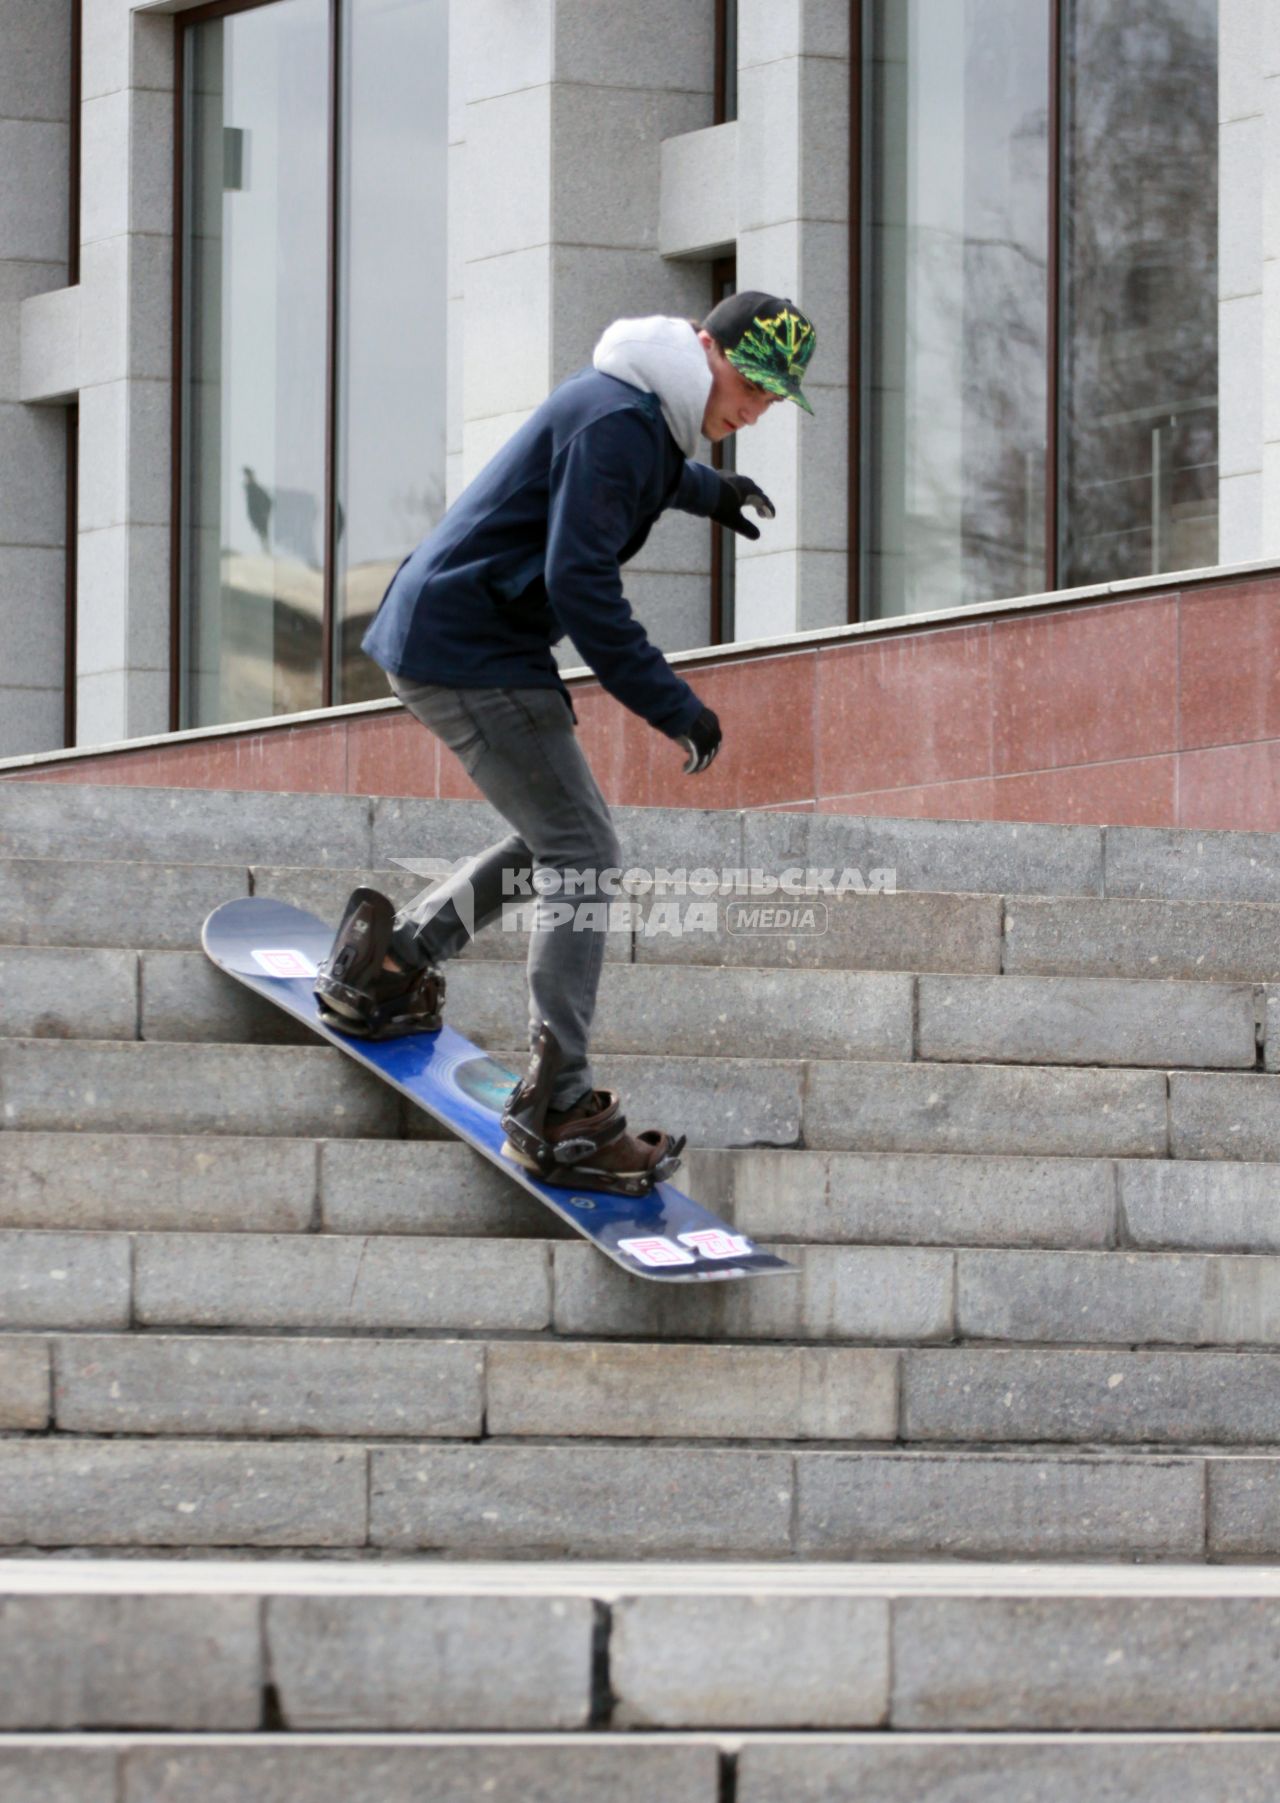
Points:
(392, 310)
(1140, 303)
(254, 362)
(955, 351)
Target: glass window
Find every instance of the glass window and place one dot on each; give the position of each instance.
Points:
(1139, 420)
(253, 443)
(392, 312)
(966, 315)
(258, 582)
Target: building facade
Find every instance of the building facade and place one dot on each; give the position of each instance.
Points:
(278, 276)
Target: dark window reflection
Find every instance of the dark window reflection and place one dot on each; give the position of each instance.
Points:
(1139, 478)
(254, 362)
(392, 311)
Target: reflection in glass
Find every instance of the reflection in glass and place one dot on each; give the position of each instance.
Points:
(955, 353)
(392, 311)
(253, 380)
(1139, 472)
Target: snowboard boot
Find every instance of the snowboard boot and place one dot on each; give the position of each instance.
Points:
(584, 1146)
(358, 995)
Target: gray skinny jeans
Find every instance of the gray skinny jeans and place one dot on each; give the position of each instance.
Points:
(520, 748)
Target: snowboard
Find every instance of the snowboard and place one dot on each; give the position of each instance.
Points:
(276, 950)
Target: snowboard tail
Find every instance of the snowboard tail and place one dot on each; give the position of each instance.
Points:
(276, 950)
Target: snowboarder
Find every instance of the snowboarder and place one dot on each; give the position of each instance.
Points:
(529, 552)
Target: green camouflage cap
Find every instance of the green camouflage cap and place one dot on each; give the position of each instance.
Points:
(767, 338)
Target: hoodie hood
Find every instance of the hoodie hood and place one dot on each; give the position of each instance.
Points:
(664, 357)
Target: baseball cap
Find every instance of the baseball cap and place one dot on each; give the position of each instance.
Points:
(767, 338)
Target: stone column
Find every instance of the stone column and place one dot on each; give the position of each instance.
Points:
(35, 89)
(1242, 101)
(793, 240)
(567, 104)
(126, 253)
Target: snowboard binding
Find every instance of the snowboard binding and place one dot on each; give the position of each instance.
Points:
(353, 991)
(585, 1146)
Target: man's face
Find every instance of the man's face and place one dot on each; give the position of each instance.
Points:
(734, 401)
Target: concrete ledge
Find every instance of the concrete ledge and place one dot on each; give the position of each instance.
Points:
(49, 367)
(698, 205)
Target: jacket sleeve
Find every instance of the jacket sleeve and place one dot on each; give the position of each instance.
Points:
(698, 490)
(595, 484)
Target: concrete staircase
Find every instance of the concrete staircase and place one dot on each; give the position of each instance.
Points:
(998, 1472)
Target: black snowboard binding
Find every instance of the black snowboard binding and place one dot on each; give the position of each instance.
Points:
(585, 1146)
(357, 996)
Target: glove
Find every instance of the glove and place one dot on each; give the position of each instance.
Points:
(737, 492)
(702, 741)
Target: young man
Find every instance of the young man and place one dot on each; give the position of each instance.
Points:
(529, 552)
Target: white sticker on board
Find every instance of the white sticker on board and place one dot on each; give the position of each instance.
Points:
(656, 1251)
(285, 962)
(716, 1242)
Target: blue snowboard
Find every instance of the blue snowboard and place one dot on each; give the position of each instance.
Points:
(275, 950)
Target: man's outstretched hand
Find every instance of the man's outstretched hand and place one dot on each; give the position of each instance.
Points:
(702, 741)
(737, 492)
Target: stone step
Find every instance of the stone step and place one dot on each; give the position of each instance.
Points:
(688, 1011)
(844, 1294)
(286, 1386)
(813, 1767)
(179, 1183)
(66, 820)
(218, 1649)
(638, 1501)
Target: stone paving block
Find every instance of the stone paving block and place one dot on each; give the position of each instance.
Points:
(1225, 1114)
(53, 1774)
(103, 902)
(1180, 863)
(165, 1662)
(691, 1012)
(949, 1768)
(64, 1280)
(841, 1293)
(61, 993)
(1201, 1206)
(1086, 1662)
(923, 1198)
(1077, 1297)
(85, 1493)
(156, 1181)
(406, 826)
(518, 1772)
(987, 1108)
(749, 1661)
(1244, 1508)
(83, 1086)
(1119, 1397)
(689, 839)
(402, 1662)
(341, 1282)
(1086, 1021)
(722, 1392)
(1213, 941)
(211, 826)
(998, 1506)
(406, 1186)
(996, 857)
(219, 1385)
(716, 1102)
(582, 1502)
(852, 932)
(1271, 1028)
(25, 1387)
(185, 997)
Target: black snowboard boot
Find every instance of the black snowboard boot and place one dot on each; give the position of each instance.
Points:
(355, 991)
(584, 1146)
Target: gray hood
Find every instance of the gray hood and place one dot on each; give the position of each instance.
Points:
(664, 357)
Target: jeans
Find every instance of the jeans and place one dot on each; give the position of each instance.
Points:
(520, 749)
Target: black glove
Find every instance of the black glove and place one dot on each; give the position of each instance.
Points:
(737, 492)
(702, 741)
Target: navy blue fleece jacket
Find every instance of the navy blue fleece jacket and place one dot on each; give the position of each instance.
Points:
(533, 550)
